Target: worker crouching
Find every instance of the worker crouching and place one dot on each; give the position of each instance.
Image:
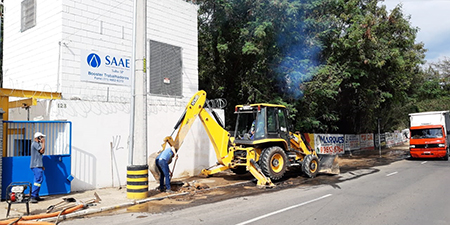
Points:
(162, 162)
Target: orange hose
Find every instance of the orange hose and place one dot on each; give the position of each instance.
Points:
(47, 215)
(24, 219)
(20, 222)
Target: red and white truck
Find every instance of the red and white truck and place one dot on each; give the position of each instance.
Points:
(429, 134)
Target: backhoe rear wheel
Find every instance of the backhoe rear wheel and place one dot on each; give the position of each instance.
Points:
(273, 162)
(311, 165)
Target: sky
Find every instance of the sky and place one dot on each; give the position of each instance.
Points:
(430, 16)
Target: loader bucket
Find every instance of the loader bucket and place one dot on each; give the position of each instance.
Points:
(328, 164)
(152, 165)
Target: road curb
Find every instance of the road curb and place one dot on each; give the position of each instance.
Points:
(128, 204)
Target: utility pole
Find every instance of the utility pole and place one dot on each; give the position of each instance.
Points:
(379, 136)
(137, 169)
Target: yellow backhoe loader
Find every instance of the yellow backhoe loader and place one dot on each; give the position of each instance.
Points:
(261, 142)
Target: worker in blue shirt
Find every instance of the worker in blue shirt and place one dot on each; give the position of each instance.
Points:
(162, 162)
(36, 165)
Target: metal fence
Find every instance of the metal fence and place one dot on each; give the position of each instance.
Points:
(20, 135)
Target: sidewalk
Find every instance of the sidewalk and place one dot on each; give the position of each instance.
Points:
(115, 198)
(108, 196)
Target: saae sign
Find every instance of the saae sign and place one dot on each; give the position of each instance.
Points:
(105, 68)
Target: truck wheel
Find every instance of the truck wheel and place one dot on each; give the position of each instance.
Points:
(239, 170)
(311, 165)
(273, 162)
(446, 156)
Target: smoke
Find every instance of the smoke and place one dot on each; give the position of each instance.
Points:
(297, 66)
(299, 47)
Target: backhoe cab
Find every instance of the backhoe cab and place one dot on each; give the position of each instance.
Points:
(262, 130)
(261, 142)
(265, 129)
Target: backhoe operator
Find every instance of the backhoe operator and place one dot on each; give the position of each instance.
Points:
(162, 162)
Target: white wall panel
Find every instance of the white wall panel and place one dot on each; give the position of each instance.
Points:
(30, 57)
(101, 113)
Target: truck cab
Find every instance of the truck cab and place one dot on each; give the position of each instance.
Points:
(429, 135)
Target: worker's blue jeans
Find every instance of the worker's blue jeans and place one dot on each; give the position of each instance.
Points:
(163, 167)
(38, 178)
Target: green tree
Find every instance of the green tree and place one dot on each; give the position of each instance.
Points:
(431, 90)
(339, 65)
(371, 58)
(441, 71)
(256, 51)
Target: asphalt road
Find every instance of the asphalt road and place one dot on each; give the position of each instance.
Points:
(404, 192)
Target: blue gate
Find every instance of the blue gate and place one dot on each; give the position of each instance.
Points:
(57, 156)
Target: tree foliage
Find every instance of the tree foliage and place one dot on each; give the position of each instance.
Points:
(432, 88)
(255, 51)
(338, 65)
(441, 69)
(371, 58)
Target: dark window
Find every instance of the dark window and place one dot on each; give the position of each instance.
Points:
(165, 69)
(259, 124)
(28, 19)
(245, 126)
(426, 133)
(282, 120)
(271, 120)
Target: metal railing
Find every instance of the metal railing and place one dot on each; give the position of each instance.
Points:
(20, 134)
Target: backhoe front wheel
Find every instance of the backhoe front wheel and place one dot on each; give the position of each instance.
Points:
(273, 162)
(311, 165)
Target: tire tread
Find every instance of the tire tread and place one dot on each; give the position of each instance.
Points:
(264, 162)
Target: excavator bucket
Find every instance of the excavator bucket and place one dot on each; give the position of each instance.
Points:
(328, 164)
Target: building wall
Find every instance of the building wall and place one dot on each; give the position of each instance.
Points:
(107, 27)
(100, 113)
(31, 57)
(47, 56)
(184, 17)
(99, 26)
(100, 139)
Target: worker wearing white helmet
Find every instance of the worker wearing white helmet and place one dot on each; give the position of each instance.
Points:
(36, 165)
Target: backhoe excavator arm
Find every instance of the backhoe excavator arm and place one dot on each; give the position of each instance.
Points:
(218, 136)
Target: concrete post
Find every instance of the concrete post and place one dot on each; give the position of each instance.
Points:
(137, 170)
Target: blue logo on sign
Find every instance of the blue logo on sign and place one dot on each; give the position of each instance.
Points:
(94, 60)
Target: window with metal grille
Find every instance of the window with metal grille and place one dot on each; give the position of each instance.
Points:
(28, 14)
(165, 69)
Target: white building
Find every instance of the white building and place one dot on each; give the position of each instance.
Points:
(47, 45)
